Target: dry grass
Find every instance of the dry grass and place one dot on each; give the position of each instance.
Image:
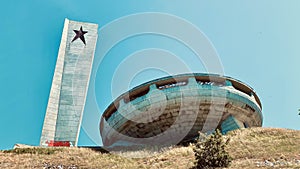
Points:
(171, 158)
(77, 157)
(250, 148)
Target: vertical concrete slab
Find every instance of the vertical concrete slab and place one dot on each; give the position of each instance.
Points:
(70, 83)
(231, 123)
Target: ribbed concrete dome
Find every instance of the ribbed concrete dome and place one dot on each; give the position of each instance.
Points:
(173, 109)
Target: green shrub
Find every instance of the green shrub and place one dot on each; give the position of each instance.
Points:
(210, 151)
(46, 151)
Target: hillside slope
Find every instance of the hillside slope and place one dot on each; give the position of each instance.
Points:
(250, 148)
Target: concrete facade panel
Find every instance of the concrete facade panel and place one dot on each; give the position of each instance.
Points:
(70, 82)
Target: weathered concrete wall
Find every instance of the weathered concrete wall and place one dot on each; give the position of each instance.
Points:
(185, 107)
(69, 86)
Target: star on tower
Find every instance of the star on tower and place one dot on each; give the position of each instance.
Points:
(80, 34)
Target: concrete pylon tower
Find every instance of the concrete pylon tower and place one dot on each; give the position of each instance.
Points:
(70, 83)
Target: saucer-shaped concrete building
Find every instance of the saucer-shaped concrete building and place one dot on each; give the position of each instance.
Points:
(172, 110)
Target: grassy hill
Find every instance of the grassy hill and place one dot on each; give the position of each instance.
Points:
(250, 148)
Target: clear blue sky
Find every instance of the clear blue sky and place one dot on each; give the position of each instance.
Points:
(257, 42)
